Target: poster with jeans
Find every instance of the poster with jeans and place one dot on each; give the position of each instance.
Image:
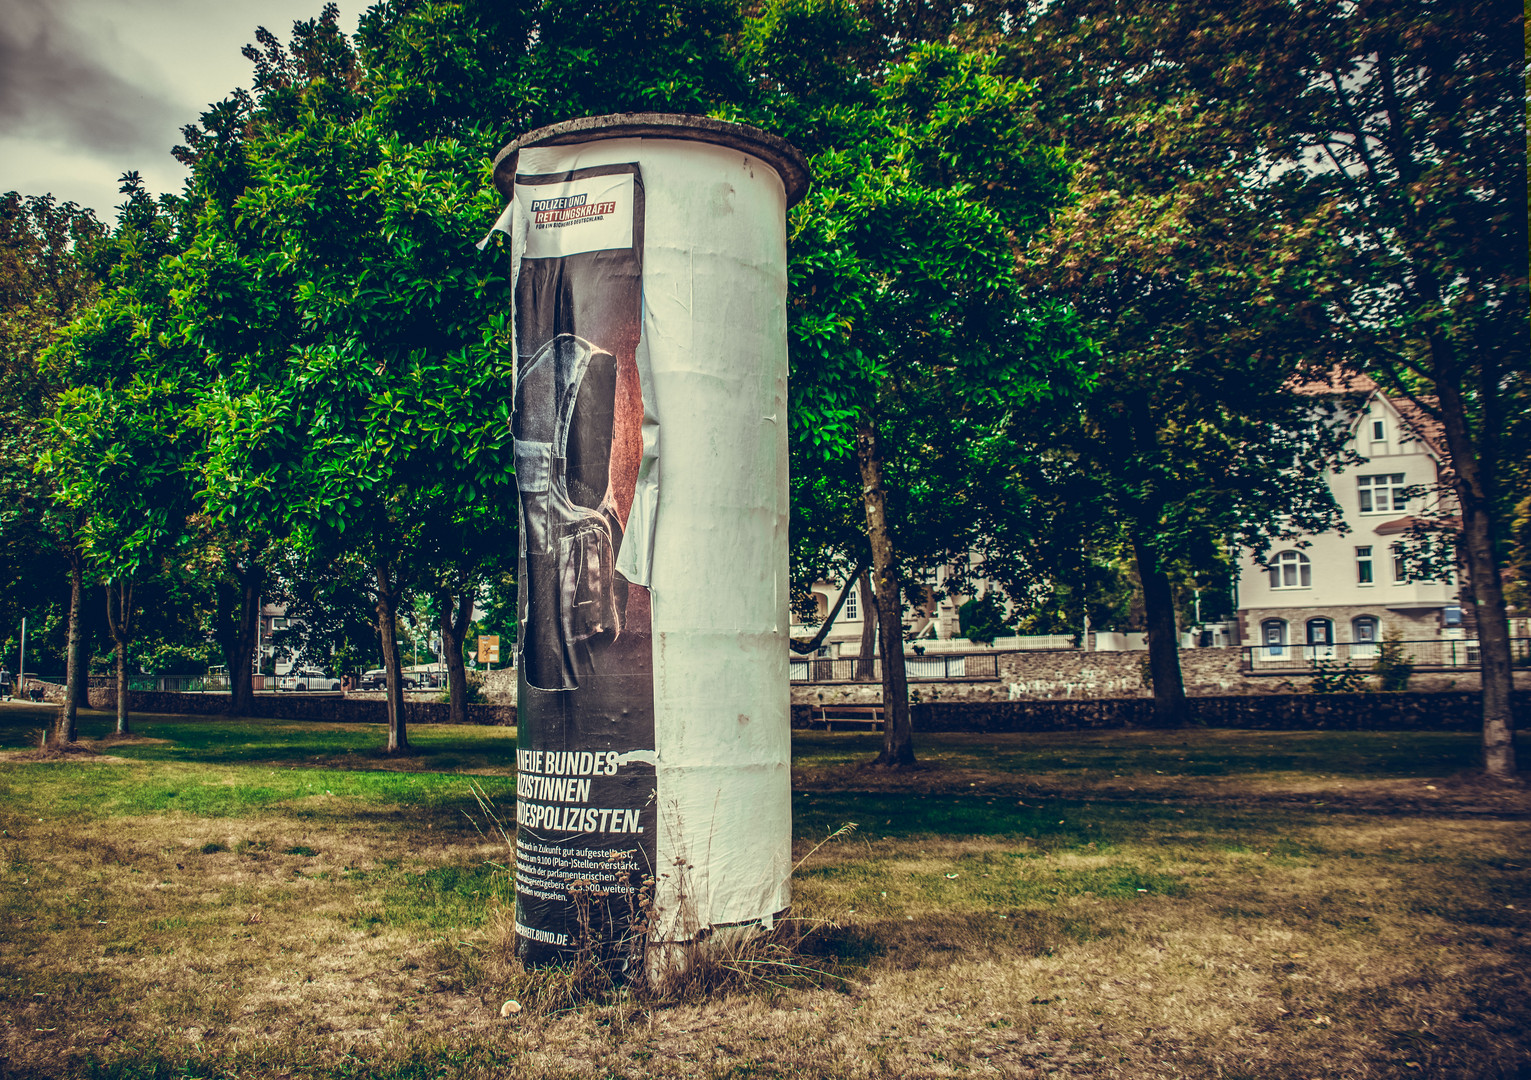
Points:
(585, 789)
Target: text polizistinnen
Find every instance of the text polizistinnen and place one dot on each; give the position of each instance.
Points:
(588, 819)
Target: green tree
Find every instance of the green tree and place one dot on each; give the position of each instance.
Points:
(114, 450)
(464, 549)
(243, 534)
(1383, 145)
(49, 271)
(983, 618)
(114, 461)
(331, 612)
(1414, 118)
(1198, 287)
(483, 73)
(356, 346)
(361, 342)
(909, 338)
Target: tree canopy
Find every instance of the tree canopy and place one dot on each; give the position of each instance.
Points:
(1059, 272)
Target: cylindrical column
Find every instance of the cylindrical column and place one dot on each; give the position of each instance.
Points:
(653, 801)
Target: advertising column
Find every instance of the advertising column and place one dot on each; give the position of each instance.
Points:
(653, 795)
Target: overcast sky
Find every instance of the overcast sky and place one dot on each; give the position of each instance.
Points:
(90, 89)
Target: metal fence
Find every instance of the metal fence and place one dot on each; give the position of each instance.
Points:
(183, 684)
(946, 666)
(187, 684)
(1431, 655)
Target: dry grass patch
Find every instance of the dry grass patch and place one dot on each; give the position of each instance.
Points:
(188, 932)
(166, 918)
(1362, 770)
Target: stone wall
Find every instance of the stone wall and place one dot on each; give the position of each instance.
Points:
(1041, 674)
(1441, 711)
(1419, 625)
(317, 707)
(499, 685)
(1070, 674)
(1079, 689)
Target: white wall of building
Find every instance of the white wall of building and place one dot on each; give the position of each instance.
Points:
(1325, 576)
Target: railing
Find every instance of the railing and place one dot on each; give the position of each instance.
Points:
(1435, 654)
(946, 666)
(187, 684)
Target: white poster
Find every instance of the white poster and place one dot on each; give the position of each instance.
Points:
(568, 217)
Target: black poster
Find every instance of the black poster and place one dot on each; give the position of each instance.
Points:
(585, 792)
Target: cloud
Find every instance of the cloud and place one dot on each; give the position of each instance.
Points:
(56, 85)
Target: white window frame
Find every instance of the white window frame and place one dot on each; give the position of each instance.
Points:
(1400, 566)
(850, 605)
(1294, 565)
(1366, 575)
(1378, 493)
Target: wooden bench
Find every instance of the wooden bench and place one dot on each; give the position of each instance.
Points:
(862, 715)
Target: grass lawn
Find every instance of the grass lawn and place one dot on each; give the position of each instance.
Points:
(271, 899)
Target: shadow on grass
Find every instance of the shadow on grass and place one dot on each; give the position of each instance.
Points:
(253, 740)
(1053, 823)
(97, 789)
(1190, 752)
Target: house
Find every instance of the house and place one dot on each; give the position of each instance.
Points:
(936, 625)
(273, 618)
(935, 620)
(844, 637)
(1335, 595)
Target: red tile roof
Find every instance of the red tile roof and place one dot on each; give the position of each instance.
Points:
(1421, 425)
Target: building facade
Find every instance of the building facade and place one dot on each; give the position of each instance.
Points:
(1338, 593)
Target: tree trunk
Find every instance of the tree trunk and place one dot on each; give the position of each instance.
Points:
(1472, 492)
(119, 623)
(122, 690)
(866, 666)
(238, 625)
(82, 686)
(1163, 647)
(64, 728)
(240, 658)
(455, 618)
(898, 733)
(387, 606)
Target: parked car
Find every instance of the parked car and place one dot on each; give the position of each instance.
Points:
(377, 679)
(307, 679)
